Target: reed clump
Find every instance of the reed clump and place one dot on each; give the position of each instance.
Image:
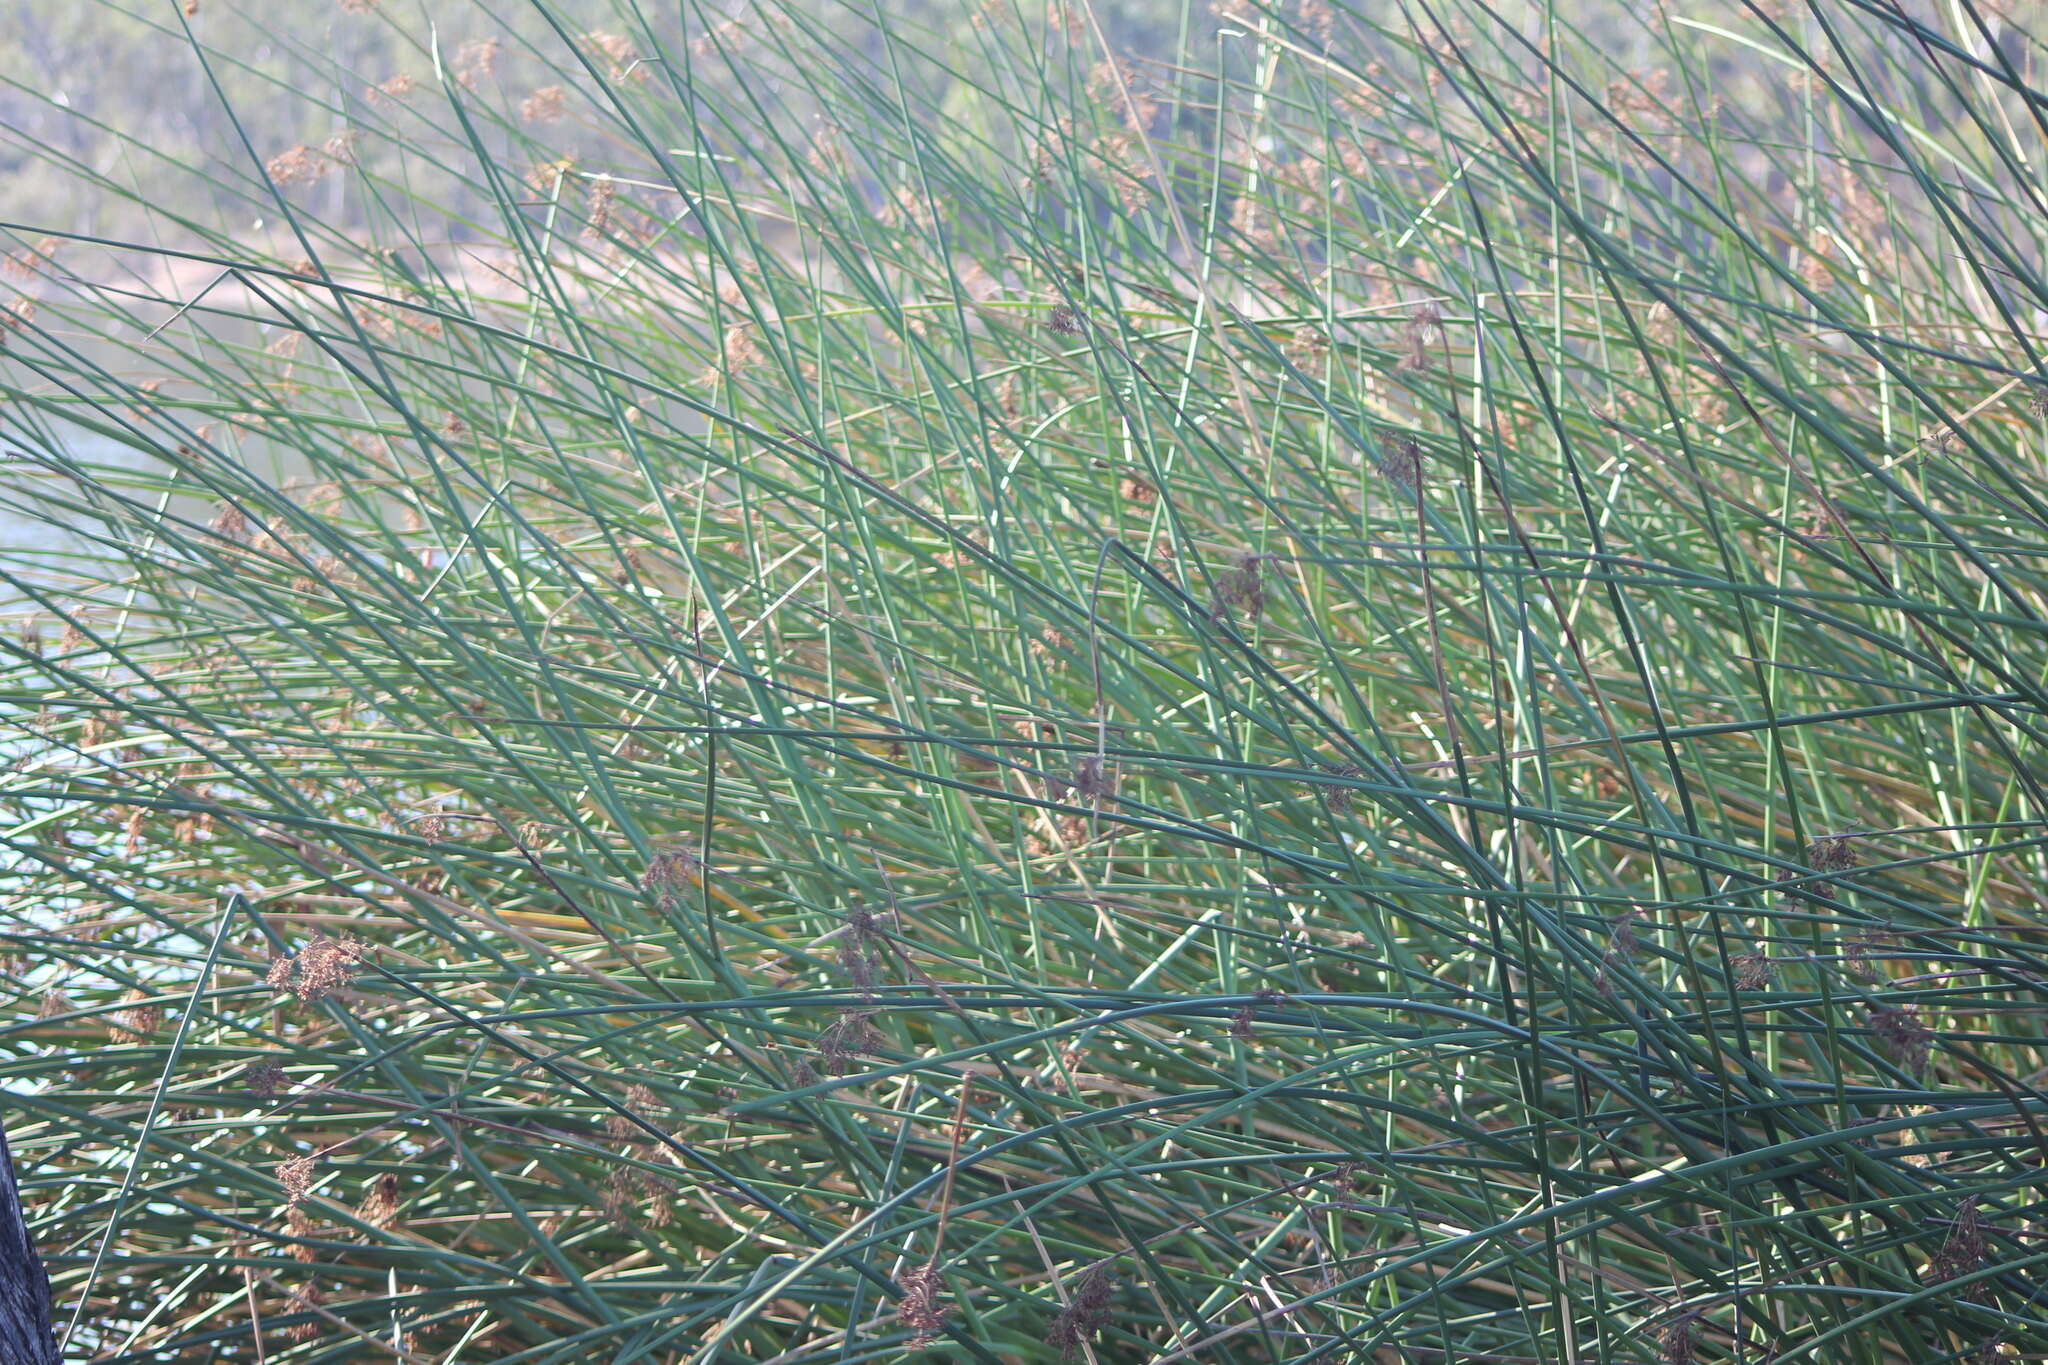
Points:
(1133, 683)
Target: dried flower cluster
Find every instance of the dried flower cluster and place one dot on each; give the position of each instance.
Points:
(476, 59)
(295, 1175)
(1753, 971)
(1679, 1344)
(622, 59)
(380, 1206)
(305, 1299)
(670, 873)
(1087, 1311)
(139, 1022)
(1909, 1042)
(920, 1309)
(1400, 462)
(1622, 946)
(264, 1079)
(544, 105)
(1094, 780)
(851, 1033)
(1835, 855)
(1340, 799)
(394, 90)
(299, 165)
(1241, 1022)
(1241, 591)
(319, 969)
(1964, 1249)
(1425, 328)
(21, 265)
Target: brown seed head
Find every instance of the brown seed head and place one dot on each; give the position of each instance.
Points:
(545, 105)
(1094, 780)
(394, 90)
(299, 165)
(264, 1079)
(546, 177)
(1753, 971)
(1680, 1342)
(305, 1300)
(848, 1036)
(620, 56)
(1425, 325)
(1400, 462)
(599, 193)
(620, 1198)
(1242, 590)
(380, 1206)
(319, 969)
(1340, 799)
(1063, 320)
(138, 1022)
(1833, 853)
(671, 872)
(476, 59)
(1964, 1249)
(295, 1174)
(1901, 1033)
(920, 1309)
(1088, 1309)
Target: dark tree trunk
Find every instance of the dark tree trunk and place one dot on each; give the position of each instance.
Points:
(25, 1336)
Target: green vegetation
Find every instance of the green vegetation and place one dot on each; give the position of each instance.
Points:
(1330, 682)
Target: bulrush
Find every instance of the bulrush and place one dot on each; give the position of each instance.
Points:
(1088, 1308)
(544, 105)
(1835, 855)
(1247, 1014)
(380, 1206)
(1964, 1249)
(1340, 799)
(319, 969)
(848, 1036)
(920, 1309)
(1094, 780)
(1904, 1037)
(1425, 327)
(1680, 1342)
(295, 1175)
(264, 1079)
(300, 165)
(669, 874)
(307, 1300)
(1753, 971)
(230, 523)
(1400, 462)
(1621, 947)
(139, 1021)
(1241, 591)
